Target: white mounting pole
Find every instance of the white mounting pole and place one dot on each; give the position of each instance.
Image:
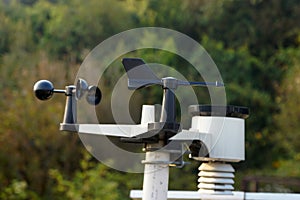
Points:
(156, 171)
(156, 175)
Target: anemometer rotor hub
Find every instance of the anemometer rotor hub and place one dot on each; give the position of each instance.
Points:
(69, 91)
(170, 83)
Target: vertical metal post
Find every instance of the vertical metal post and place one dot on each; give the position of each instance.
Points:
(168, 111)
(70, 115)
(168, 107)
(156, 171)
(156, 175)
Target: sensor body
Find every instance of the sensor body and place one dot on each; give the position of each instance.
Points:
(224, 137)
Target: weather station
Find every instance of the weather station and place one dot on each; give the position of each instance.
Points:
(215, 139)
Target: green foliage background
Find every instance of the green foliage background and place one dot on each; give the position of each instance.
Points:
(255, 44)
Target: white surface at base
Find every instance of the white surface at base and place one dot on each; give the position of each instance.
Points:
(192, 195)
(272, 196)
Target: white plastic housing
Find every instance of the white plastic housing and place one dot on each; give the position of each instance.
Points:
(224, 137)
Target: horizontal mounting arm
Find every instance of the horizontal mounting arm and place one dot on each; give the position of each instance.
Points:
(114, 130)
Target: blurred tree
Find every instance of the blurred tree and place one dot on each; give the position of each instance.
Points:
(5, 39)
(73, 26)
(286, 121)
(92, 182)
(30, 141)
(285, 129)
(17, 191)
(264, 25)
(31, 144)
